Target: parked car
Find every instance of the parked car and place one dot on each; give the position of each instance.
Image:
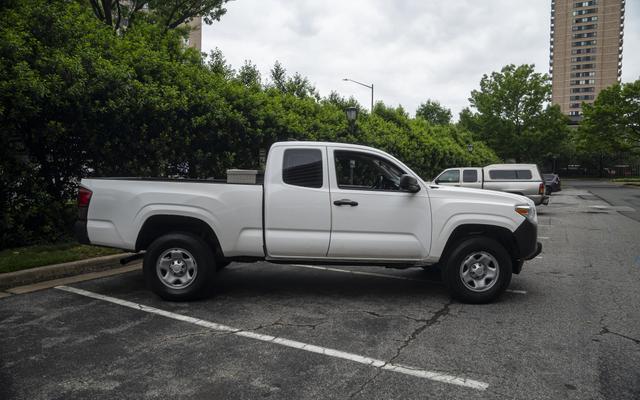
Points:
(322, 203)
(522, 179)
(552, 182)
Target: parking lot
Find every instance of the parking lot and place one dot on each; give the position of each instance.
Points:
(569, 327)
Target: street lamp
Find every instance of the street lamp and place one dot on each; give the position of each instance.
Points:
(470, 147)
(352, 114)
(362, 84)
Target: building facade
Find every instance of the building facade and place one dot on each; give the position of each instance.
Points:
(585, 51)
(195, 33)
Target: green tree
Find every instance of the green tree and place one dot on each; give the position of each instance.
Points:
(249, 74)
(434, 112)
(513, 114)
(169, 14)
(612, 122)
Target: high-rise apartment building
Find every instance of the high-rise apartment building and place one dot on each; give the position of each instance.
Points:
(195, 34)
(585, 51)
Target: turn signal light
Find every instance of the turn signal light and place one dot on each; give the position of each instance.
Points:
(523, 210)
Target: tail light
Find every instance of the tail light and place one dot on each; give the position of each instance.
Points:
(541, 189)
(84, 197)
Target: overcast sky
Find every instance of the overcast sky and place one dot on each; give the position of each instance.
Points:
(411, 50)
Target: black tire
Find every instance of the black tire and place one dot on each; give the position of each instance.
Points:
(194, 251)
(222, 264)
(459, 260)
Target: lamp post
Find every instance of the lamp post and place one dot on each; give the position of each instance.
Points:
(352, 115)
(365, 85)
(470, 147)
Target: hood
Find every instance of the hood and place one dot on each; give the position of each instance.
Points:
(478, 194)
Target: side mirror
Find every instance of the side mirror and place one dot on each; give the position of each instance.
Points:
(409, 183)
(437, 181)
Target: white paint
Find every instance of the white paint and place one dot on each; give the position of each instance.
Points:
(543, 237)
(434, 376)
(404, 278)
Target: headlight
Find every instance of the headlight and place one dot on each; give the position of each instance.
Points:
(529, 212)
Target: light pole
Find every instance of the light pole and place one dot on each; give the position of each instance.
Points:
(352, 115)
(470, 147)
(365, 85)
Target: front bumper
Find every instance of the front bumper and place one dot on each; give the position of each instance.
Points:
(526, 237)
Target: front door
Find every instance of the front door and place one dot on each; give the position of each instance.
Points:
(371, 217)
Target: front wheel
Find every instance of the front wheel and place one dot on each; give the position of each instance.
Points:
(179, 266)
(477, 270)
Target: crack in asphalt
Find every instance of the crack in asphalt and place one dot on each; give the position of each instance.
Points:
(426, 323)
(606, 330)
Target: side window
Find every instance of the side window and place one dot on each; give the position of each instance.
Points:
(302, 167)
(523, 174)
(502, 174)
(451, 176)
(362, 171)
(470, 175)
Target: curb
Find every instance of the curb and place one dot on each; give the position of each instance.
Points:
(56, 271)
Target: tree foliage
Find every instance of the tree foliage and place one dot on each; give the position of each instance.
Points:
(612, 122)
(168, 14)
(78, 99)
(434, 112)
(513, 115)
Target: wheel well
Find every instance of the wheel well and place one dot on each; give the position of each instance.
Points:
(502, 235)
(158, 225)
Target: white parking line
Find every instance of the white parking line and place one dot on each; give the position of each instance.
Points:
(403, 369)
(404, 278)
(543, 237)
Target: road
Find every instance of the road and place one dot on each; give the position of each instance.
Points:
(568, 328)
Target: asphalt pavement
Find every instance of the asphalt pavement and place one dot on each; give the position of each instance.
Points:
(568, 328)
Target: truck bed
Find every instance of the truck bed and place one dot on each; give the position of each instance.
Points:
(120, 206)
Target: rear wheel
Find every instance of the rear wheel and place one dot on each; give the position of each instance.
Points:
(477, 270)
(179, 266)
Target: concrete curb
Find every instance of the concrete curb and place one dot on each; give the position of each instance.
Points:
(56, 271)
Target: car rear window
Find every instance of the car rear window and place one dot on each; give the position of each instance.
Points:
(511, 174)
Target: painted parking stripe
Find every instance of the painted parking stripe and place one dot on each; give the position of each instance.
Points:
(384, 365)
(377, 275)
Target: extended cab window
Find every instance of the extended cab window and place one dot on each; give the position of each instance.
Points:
(451, 176)
(469, 175)
(302, 167)
(363, 171)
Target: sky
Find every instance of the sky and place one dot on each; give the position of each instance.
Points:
(411, 50)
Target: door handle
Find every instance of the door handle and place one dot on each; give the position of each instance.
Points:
(345, 202)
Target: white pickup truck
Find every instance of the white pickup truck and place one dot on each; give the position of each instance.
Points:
(320, 203)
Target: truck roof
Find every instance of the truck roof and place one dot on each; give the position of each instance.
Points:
(511, 166)
(313, 143)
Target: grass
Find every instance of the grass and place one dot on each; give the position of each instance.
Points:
(36, 256)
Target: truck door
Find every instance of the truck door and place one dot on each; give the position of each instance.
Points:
(449, 177)
(297, 212)
(372, 218)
